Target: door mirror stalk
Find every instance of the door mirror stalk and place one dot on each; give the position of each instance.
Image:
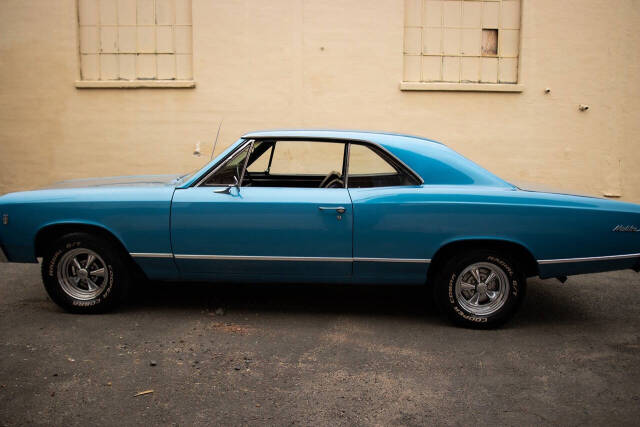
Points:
(227, 189)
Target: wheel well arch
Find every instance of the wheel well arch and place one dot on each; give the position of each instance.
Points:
(521, 254)
(49, 233)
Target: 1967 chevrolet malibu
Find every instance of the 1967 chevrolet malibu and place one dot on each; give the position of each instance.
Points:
(319, 206)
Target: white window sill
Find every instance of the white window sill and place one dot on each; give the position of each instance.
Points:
(82, 84)
(462, 87)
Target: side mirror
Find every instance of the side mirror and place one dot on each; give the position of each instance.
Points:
(227, 189)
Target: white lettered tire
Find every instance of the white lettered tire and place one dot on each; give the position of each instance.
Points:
(83, 273)
(480, 289)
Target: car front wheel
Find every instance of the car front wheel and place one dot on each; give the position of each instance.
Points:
(481, 289)
(83, 273)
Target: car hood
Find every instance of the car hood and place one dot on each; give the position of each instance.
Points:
(116, 181)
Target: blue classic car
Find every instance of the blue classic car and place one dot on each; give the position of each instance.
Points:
(319, 206)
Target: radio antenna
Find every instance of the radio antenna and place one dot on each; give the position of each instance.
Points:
(213, 150)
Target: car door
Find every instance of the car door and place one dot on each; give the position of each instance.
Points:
(261, 232)
(388, 241)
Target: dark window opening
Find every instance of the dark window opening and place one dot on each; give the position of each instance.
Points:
(297, 164)
(367, 168)
(489, 42)
(310, 164)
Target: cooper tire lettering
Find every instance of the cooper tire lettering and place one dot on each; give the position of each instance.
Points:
(52, 263)
(452, 300)
(107, 291)
(470, 317)
(86, 303)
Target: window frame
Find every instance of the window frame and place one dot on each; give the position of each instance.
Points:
(275, 143)
(377, 148)
(215, 168)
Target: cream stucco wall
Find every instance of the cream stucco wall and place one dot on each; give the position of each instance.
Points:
(329, 64)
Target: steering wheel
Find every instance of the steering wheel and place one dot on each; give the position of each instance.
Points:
(335, 183)
(330, 179)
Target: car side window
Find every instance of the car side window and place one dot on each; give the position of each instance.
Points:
(296, 164)
(368, 169)
(306, 158)
(260, 160)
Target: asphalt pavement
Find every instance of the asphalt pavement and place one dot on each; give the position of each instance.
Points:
(319, 355)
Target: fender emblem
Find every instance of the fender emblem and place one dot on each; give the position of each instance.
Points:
(626, 228)
(5, 219)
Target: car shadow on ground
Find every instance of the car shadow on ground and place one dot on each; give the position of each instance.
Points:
(545, 302)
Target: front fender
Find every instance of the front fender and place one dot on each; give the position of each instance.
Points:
(137, 217)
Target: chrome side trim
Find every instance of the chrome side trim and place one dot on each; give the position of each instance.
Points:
(150, 255)
(298, 258)
(411, 260)
(595, 258)
(262, 258)
(3, 257)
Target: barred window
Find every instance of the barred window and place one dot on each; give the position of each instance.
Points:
(135, 40)
(461, 41)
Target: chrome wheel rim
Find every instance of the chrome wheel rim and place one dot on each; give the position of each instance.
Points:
(82, 274)
(482, 288)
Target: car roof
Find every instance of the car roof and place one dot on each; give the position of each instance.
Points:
(356, 135)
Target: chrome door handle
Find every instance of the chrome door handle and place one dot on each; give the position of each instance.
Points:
(338, 209)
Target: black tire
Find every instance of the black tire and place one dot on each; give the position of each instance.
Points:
(112, 288)
(449, 293)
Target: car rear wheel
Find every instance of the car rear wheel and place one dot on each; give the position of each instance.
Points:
(480, 289)
(83, 273)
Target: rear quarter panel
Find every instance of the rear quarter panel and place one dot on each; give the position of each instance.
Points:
(416, 222)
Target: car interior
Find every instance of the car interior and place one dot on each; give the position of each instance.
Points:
(310, 164)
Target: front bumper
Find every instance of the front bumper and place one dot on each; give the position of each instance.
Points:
(3, 257)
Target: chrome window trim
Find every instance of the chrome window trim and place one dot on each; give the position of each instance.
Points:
(386, 152)
(221, 163)
(345, 164)
(246, 162)
(587, 259)
(317, 139)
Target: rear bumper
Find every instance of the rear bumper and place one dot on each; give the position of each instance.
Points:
(3, 256)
